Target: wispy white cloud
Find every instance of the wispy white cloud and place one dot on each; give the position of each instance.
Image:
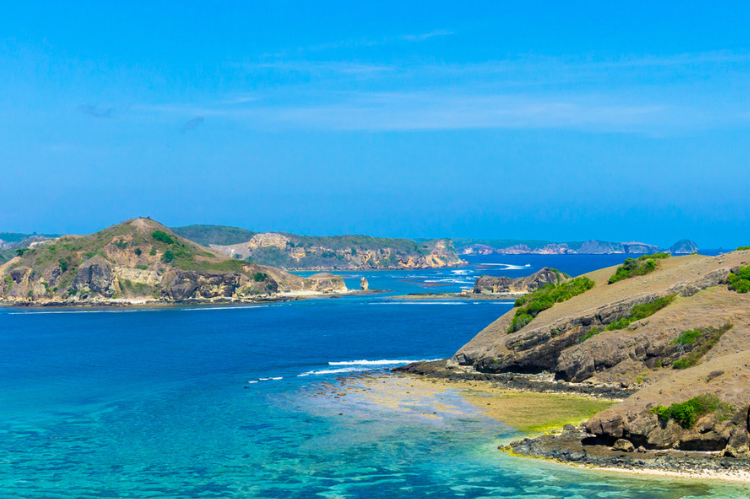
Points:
(626, 94)
(365, 42)
(336, 67)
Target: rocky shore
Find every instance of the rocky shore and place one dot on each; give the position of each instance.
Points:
(575, 445)
(540, 383)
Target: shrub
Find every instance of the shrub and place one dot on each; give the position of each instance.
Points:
(167, 257)
(688, 412)
(20, 252)
(162, 236)
(142, 267)
(740, 281)
(655, 256)
(137, 251)
(743, 248)
(641, 311)
(687, 337)
(152, 252)
(63, 264)
(545, 297)
(121, 244)
(632, 267)
(592, 332)
(260, 277)
(706, 337)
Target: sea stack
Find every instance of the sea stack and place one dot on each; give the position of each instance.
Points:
(364, 284)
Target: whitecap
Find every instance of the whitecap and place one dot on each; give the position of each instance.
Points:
(363, 362)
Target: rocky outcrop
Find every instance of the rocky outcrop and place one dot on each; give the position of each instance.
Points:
(635, 421)
(578, 446)
(363, 284)
(491, 285)
(325, 282)
(95, 275)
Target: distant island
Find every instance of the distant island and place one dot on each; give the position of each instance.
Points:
(591, 247)
(143, 262)
(670, 336)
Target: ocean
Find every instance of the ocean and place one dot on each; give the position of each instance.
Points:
(232, 402)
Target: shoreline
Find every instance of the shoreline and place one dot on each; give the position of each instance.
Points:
(565, 443)
(154, 303)
(509, 297)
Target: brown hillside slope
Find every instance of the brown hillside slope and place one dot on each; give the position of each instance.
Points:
(645, 354)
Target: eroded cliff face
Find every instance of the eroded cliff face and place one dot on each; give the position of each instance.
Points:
(128, 263)
(493, 285)
(293, 253)
(563, 340)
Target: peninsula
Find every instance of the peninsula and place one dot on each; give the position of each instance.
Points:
(669, 335)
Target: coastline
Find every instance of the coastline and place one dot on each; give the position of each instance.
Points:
(549, 429)
(155, 303)
(509, 297)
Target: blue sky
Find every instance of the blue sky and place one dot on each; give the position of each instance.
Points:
(546, 120)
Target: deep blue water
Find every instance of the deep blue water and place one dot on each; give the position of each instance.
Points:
(221, 402)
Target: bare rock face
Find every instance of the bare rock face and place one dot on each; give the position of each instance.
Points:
(95, 275)
(489, 284)
(187, 285)
(363, 284)
(325, 282)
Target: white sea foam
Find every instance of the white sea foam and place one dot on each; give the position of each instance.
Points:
(384, 362)
(251, 382)
(418, 303)
(507, 266)
(330, 371)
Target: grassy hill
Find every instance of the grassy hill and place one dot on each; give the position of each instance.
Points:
(141, 260)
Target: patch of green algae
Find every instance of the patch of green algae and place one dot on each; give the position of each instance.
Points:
(536, 412)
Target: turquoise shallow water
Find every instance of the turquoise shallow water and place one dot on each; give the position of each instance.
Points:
(225, 402)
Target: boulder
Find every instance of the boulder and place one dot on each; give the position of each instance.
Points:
(623, 445)
(363, 284)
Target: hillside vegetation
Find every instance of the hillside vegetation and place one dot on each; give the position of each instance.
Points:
(205, 235)
(678, 336)
(296, 252)
(141, 260)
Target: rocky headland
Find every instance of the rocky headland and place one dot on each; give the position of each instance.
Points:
(142, 262)
(296, 252)
(674, 343)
